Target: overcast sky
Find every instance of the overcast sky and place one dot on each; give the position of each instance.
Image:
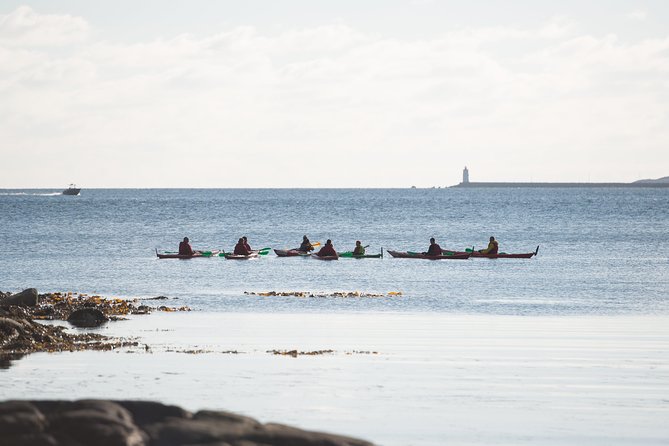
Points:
(331, 94)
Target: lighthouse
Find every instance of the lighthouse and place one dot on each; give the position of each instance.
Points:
(465, 176)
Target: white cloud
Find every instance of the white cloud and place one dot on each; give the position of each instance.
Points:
(508, 100)
(25, 27)
(638, 14)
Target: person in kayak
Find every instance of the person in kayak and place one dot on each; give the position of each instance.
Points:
(240, 248)
(306, 245)
(359, 250)
(434, 249)
(493, 247)
(327, 250)
(185, 249)
(246, 243)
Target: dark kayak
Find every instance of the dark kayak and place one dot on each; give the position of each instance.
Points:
(172, 255)
(418, 255)
(290, 253)
(503, 255)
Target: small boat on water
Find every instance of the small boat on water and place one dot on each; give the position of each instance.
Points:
(72, 189)
(418, 255)
(196, 254)
(290, 253)
(317, 257)
(503, 255)
(350, 255)
(231, 256)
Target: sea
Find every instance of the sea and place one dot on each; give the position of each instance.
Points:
(568, 347)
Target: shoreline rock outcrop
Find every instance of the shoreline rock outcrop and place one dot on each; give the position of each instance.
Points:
(20, 334)
(145, 423)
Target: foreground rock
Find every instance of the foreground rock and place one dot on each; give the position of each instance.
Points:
(143, 423)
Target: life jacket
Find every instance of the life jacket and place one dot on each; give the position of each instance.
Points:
(434, 250)
(185, 249)
(240, 249)
(327, 251)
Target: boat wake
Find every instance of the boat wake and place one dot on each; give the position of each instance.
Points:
(33, 194)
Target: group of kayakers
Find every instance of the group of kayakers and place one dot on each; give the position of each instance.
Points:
(243, 248)
(328, 249)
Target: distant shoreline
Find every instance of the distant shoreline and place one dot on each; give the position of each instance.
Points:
(572, 185)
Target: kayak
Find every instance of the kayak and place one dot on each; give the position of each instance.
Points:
(231, 256)
(418, 255)
(350, 255)
(503, 255)
(171, 255)
(316, 256)
(290, 253)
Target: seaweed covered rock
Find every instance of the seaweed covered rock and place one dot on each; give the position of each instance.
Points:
(144, 423)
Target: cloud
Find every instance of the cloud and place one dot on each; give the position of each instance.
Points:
(529, 98)
(25, 27)
(639, 15)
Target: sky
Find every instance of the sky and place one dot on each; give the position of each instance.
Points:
(303, 93)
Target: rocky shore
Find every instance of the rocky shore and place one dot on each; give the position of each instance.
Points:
(144, 423)
(20, 334)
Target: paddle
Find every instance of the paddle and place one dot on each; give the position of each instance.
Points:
(264, 251)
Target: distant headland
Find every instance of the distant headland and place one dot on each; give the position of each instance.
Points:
(659, 182)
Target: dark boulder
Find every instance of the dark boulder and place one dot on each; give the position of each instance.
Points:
(87, 317)
(147, 412)
(141, 423)
(26, 298)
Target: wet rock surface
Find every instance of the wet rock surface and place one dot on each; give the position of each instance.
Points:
(20, 334)
(145, 423)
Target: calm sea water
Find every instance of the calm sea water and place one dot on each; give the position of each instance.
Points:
(603, 251)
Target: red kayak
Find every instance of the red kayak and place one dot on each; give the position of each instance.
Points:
(503, 255)
(196, 254)
(290, 253)
(316, 256)
(418, 255)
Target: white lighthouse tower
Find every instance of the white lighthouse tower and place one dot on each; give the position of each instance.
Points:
(465, 176)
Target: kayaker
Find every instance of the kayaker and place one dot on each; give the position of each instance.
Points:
(493, 247)
(246, 243)
(240, 248)
(434, 249)
(185, 249)
(327, 250)
(306, 245)
(359, 250)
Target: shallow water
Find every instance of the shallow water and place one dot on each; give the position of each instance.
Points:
(435, 378)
